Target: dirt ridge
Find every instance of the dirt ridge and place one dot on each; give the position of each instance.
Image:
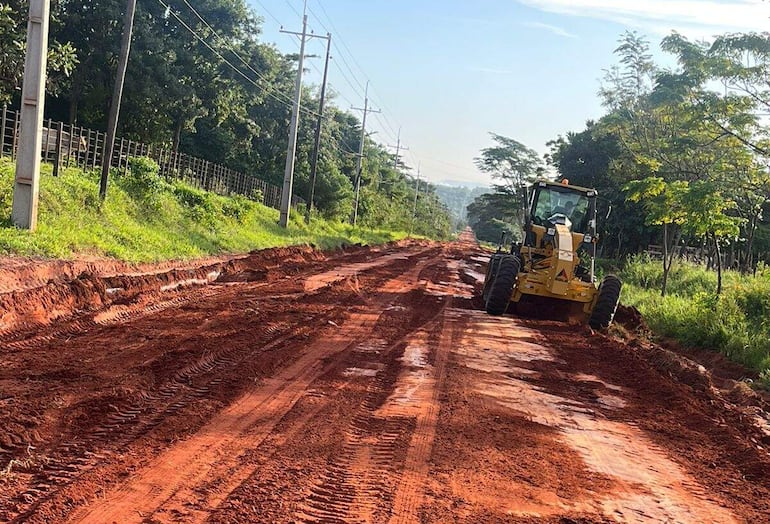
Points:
(43, 300)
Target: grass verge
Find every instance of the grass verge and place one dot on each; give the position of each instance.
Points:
(145, 219)
(736, 323)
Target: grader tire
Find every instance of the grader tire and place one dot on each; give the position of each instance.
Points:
(606, 303)
(494, 264)
(502, 286)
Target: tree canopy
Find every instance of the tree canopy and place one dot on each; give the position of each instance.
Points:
(201, 81)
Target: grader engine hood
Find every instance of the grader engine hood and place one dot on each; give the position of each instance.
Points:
(564, 260)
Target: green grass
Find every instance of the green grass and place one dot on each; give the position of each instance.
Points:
(145, 219)
(737, 322)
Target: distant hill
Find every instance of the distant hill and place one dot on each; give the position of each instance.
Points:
(457, 199)
(461, 183)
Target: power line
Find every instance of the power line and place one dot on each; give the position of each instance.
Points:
(342, 147)
(339, 50)
(293, 8)
(385, 124)
(388, 124)
(266, 10)
(383, 128)
(347, 79)
(338, 93)
(268, 90)
(341, 40)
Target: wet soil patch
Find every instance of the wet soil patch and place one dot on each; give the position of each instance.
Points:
(714, 443)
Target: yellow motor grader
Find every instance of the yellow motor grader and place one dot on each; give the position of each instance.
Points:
(556, 259)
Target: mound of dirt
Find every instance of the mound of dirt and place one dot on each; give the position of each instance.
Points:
(630, 318)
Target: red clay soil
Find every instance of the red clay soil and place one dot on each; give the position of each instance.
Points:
(357, 386)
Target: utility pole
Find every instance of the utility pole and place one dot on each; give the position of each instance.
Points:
(317, 144)
(399, 148)
(288, 175)
(117, 96)
(26, 185)
(359, 164)
(416, 192)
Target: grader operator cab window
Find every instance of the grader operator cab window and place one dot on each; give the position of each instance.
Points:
(553, 201)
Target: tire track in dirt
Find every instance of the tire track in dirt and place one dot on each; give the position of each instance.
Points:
(130, 421)
(410, 493)
(32, 337)
(71, 460)
(379, 473)
(560, 438)
(162, 487)
(354, 482)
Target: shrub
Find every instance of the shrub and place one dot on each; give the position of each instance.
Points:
(142, 178)
(257, 195)
(199, 204)
(237, 207)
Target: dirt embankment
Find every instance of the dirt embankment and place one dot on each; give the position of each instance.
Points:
(37, 293)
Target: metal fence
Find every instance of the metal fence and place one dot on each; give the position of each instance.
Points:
(66, 145)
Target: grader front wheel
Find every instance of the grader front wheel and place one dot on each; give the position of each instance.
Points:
(501, 288)
(492, 267)
(606, 303)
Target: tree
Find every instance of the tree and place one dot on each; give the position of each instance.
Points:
(708, 216)
(740, 64)
(664, 203)
(490, 215)
(516, 166)
(13, 35)
(626, 83)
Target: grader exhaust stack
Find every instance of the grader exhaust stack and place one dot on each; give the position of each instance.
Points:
(556, 260)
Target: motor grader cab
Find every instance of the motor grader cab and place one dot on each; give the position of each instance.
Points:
(556, 259)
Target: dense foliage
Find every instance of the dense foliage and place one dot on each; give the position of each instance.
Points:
(182, 93)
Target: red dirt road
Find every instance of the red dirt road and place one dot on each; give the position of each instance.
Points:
(358, 386)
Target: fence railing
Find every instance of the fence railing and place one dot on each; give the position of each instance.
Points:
(65, 145)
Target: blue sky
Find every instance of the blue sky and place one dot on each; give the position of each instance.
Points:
(449, 72)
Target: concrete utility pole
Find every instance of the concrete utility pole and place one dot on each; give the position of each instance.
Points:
(399, 148)
(317, 143)
(117, 95)
(359, 163)
(416, 192)
(288, 175)
(26, 186)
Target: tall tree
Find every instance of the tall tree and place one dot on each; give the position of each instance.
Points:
(515, 167)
